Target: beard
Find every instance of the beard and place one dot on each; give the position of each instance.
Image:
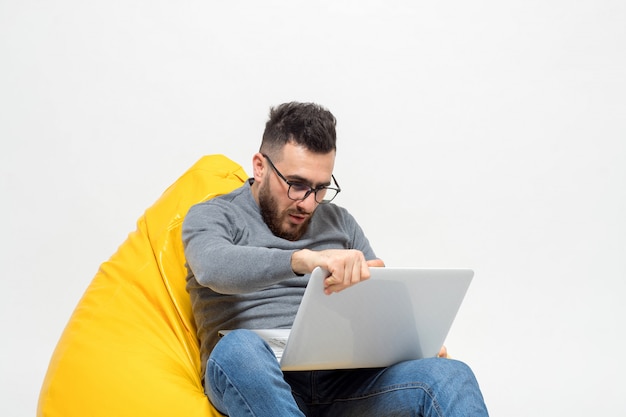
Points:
(277, 220)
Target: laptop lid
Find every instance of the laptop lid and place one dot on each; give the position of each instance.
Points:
(398, 314)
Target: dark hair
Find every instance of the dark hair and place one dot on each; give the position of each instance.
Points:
(306, 124)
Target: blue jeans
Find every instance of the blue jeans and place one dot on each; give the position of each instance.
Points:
(243, 378)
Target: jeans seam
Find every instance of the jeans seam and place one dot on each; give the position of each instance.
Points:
(392, 388)
(221, 370)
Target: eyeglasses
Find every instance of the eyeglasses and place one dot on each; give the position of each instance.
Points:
(299, 191)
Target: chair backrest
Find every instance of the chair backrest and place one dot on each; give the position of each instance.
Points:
(130, 347)
(211, 176)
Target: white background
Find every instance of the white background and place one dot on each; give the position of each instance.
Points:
(483, 134)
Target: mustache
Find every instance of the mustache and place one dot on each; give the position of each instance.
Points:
(299, 211)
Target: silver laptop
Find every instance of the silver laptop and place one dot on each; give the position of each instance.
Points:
(398, 314)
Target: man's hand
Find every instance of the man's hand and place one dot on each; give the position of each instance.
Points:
(346, 266)
(343, 276)
(443, 353)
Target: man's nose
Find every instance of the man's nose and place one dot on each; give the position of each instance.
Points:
(308, 204)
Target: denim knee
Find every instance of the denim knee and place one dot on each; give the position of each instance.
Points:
(242, 372)
(457, 369)
(240, 345)
(451, 373)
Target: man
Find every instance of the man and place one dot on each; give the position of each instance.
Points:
(249, 256)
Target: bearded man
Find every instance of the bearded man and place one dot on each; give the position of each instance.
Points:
(249, 258)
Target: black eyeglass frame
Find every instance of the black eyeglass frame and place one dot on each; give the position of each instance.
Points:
(310, 190)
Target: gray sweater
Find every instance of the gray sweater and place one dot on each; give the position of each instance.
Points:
(239, 272)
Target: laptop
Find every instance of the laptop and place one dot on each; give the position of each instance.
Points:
(398, 314)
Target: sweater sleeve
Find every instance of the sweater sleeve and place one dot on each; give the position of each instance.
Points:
(228, 254)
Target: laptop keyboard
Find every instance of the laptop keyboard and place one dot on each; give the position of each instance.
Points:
(278, 345)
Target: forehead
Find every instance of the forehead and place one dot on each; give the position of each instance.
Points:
(297, 162)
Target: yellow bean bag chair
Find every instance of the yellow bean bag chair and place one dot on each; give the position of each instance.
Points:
(130, 347)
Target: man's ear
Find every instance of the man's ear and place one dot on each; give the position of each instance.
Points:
(258, 167)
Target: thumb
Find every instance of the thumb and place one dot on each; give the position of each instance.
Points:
(375, 263)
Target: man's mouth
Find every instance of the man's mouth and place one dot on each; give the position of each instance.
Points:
(298, 218)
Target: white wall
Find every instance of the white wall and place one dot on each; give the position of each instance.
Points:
(481, 134)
